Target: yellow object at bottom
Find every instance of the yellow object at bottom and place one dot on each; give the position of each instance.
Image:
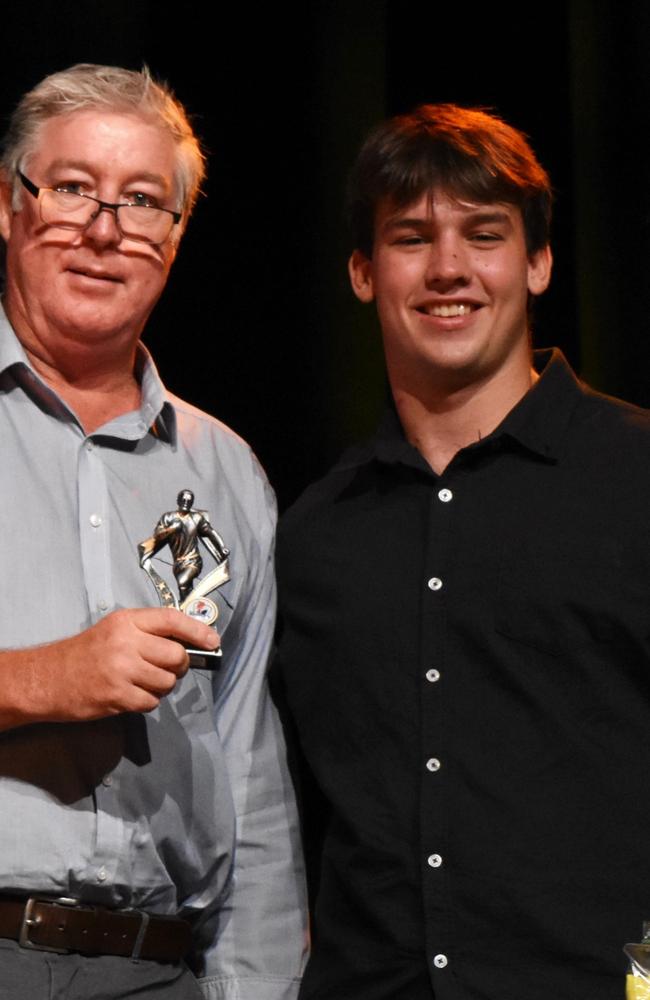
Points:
(637, 988)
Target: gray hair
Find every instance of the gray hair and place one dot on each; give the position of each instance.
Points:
(86, 86)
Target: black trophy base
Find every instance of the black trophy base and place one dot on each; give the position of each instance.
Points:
(204, 659)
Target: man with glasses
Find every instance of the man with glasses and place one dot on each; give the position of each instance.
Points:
(148, 823)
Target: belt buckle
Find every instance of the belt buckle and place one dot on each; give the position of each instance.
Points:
(30, 921)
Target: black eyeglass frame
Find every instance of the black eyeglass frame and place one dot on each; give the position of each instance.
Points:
(113, 207)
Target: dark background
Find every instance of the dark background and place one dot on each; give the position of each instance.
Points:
(257, 324)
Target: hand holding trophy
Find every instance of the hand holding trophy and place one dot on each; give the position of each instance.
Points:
(182, 530)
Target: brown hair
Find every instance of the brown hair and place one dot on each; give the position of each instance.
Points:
(463, 151)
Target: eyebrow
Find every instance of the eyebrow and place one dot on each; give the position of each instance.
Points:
(490, 215)
(85, 167)
(479, 216)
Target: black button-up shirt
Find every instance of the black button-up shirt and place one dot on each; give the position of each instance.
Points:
(466, 659)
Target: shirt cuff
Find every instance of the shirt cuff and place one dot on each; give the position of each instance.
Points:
(249, 988)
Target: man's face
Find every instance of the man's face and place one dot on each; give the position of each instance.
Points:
(74, 287)
(451, 280)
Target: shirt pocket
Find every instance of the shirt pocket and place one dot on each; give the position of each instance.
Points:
(571, 593)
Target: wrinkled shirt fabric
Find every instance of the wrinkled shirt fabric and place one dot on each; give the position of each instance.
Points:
(466, 658)
(186, 810)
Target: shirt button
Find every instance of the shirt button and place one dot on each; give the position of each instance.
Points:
(433, 764)
(440, 961)
(102, 605)
(101, 875)
(445, 495)
(107, 780)
(432, 675)
(434, 860)
(95, 520)
(435, 583)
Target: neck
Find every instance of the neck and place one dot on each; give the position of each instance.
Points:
(440, 422)
(95, 397)
(96, 380)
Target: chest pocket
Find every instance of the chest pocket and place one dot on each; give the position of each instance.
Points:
(572, 591)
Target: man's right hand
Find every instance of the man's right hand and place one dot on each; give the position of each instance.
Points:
(125, 663)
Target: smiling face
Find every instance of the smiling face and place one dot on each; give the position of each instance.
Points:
(67, 290)
(451, 281)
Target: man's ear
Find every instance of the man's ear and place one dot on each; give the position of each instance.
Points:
(540, 265)
(6, 212)
(360, 271)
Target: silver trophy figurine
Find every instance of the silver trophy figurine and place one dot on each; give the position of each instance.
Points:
(182, 530)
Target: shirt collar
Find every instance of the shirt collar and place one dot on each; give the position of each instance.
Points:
(156, 412)
(537, 423)
(540, 419)
(11, 350)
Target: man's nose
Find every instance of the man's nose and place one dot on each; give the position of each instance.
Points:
(103, 229)
(448, 263)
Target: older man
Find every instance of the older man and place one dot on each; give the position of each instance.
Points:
(147, 817)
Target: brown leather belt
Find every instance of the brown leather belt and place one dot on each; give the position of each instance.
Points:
(64, 925)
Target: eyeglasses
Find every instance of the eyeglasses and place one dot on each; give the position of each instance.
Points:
(74, 210)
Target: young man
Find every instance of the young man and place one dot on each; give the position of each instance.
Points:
(146, 813)
(466, 638)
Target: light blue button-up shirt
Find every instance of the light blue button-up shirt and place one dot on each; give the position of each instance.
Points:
(187, 809)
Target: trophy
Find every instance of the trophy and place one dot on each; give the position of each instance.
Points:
(182, 530)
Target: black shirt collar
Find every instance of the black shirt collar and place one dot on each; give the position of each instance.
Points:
(537, 423)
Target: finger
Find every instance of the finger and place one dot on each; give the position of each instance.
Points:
(155, 681)
(164, 653)
(142, 699)
(169, 622)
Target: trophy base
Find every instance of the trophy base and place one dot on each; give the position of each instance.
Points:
(204, 659)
